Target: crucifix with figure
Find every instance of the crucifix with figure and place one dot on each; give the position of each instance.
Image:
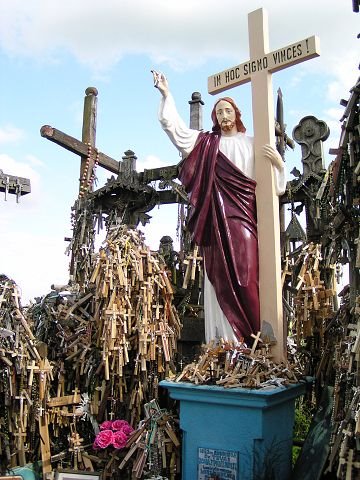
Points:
(258, 70)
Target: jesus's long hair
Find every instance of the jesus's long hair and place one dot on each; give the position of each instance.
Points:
(239, 124)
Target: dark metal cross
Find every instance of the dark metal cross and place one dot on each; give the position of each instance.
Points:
(10, 184)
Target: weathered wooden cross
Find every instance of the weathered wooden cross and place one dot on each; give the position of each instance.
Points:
(88, 139)
(259, 70)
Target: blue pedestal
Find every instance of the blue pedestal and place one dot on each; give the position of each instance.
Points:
(235, 434)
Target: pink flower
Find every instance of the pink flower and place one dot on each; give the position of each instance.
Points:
(119, 424)
(114, 433)
(104, 438)
(107, 425)
(119, 439)
(127, 429)
(122, 426)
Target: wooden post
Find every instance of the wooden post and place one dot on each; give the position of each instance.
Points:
(89, 132)
(45, 445)
(258, 70)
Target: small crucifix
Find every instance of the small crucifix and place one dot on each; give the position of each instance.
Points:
(258, 70)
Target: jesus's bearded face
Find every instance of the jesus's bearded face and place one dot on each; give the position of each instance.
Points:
(225, 114)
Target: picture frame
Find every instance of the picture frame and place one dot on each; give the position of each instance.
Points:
(12, 477)
(76, 475)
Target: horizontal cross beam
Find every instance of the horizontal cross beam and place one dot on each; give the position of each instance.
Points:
(161, 173)
(14, 185)
(268, 61)
(79, 148)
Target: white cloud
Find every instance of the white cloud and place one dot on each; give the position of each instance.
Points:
(344, 74)
(334, 137)
(34, 261)
(20, 169)
(31, 256)
(24, 169)
(334, 113)
(150, 161)
(8, 134)
(180, 34)
(35, 161)
(332, 117)
(163, 219)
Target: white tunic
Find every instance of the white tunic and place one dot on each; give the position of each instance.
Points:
(239, 149)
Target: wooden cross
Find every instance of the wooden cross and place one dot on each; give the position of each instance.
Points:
(191, 263)
(21, 439)
(44, 370)
(81, 148)
(164, 340)
(21, 399)
(257, 339)
(258, 70)
(32, 367)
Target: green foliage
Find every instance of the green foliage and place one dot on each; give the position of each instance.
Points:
(303, 417)
(295, 452)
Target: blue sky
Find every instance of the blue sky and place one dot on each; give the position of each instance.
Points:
(50, 52)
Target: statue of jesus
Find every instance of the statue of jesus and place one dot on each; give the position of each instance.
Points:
(218, 174)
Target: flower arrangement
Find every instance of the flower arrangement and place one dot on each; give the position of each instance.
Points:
(112, 433)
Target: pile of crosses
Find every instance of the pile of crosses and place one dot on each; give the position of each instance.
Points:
(237, 366)
(23, 375)
(313, 301)
(342, 362)
(75, 359)
(329, 341)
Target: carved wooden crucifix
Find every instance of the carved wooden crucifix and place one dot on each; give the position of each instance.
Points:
(258, 70)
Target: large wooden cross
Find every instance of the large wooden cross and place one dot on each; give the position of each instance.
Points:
(258, 69)
(81, 148)
(126, 166)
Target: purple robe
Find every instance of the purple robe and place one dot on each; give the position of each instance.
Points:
(223, 223)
